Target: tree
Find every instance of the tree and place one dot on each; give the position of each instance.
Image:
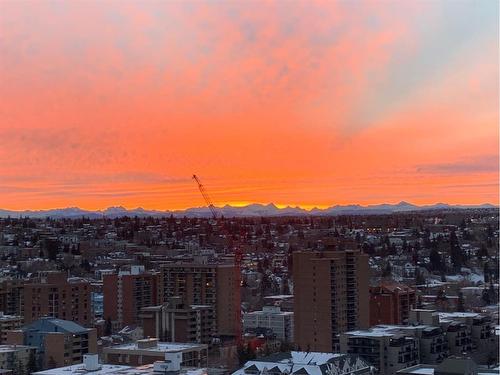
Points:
(32, 363)
(419, 278)
(486, 296)
(436, 263)
(460, 302)
(387, 272)
(245, 354)
(108, 328)
(19, 370)
(456, 255)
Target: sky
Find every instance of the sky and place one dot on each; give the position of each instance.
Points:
(308, 103)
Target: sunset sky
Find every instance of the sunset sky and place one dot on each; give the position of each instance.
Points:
(107, 103)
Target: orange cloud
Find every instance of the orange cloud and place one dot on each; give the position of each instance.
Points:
(310, 103)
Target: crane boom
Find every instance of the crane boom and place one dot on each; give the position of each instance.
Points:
(207, 199)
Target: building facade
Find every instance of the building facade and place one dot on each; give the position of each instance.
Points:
(58, 342)
(126, 293)
(391, 303)
(271, 317)
(331, 296)
(150, 350)
(55, 295)
(204, 284)
(175, 322)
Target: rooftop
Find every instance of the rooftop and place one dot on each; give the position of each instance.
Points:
(304, 363)
(159, 347)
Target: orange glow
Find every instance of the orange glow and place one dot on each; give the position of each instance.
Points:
(305, 104)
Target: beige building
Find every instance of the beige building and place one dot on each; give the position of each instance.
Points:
(331, 296)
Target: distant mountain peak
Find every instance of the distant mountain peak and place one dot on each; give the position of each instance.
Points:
(251, 210)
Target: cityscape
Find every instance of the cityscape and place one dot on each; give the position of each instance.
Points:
(282, 187)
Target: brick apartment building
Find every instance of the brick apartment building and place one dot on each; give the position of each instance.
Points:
(53, 294)
(58, 342)
(203, 284)
(391, 303)
(331, 296)
(126, 293)
(176, 322)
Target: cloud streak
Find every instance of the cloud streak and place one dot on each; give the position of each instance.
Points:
(304, 103)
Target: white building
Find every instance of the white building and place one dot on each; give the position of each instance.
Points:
(271, 317)
(306, 363)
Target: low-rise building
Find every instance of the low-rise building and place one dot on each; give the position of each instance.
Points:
(271, 317)
(385, 348)
(148, 351)
(16, 358)
(58, 342)
(7, 323)
(170, 365)
(306, 363)
(175, 322)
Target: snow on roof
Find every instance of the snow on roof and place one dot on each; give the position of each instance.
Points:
(304, 363)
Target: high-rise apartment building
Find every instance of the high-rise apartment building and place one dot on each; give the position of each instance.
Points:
(203, 284)
(126, 293)
(331, 296)
(53, 294)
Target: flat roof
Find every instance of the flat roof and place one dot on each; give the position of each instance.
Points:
(80, 369)
(160, 347)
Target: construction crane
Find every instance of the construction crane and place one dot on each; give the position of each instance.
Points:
(238, 256)
(208, 201)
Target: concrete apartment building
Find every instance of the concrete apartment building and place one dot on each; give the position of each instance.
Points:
(432, 340)
(386, 349)
(7, 323)
(331, 296)
(148, 351)
(53, 294)
(203, 284)
(480, 330)
(126, 293)
(271, 317)
(176, 322)
(465, 332)
(58, 342)
(391, 303)
(16, 357)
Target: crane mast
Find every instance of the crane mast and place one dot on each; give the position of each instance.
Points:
(207, 199)
(238, 257)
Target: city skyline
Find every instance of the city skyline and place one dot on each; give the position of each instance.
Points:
(310, 104)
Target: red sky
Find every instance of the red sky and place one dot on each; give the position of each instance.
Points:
(305, 103)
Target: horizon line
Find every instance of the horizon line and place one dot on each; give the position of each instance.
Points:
(246, 204)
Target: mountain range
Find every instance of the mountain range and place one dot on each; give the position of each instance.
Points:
(251, 210)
